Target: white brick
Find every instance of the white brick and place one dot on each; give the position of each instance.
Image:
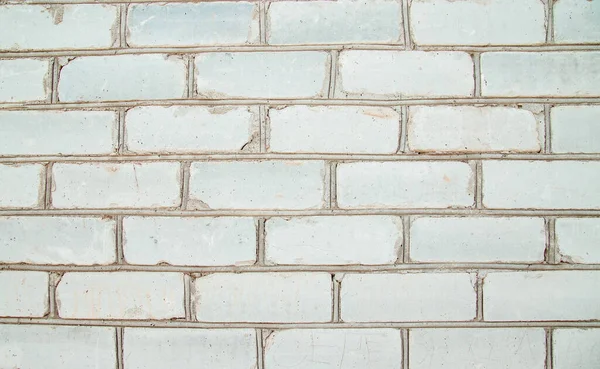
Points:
(57, 132)
(21, 185)
(333, 240)
(189, 241)
(541, 184)
(499, 22)
(191, 24)
(189, 129)
(537, 74)
(23, 80)
(334, 129)
(269, 75)
(550, 295)
(263, 297)
(400, 74)
(116, 185)
(189, 348)
(476, 240)
(404, 184)
(472, 129)
(334, 349)
(124, 295)
(44, 346)
(38, 27)
(122, 77)
(576, 21)
(327, 22)
(24, 294)
(57, 240)
(257, 185)
(407, 297)
(496, 348)
(578, 240)
(576, 348)
(575, 129)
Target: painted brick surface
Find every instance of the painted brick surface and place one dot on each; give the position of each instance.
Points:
(347, 184)
(24, 294)
(381, 74)
(500, 22)
(415, 297)
(35, 27)
(556, 295)
(31, 346)
(57, 132)
(190, 24)
(399, 185)
(329, 349)
(326, 22)
(189, 241)
(472, 129)
(478, 348)
(284, 297)
(333, 240)
(133, 295)
(152, 348)
(21, 185)
(57, 240)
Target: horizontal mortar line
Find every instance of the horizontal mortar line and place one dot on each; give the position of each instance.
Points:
(277, 156)
(341, 325)
(309, 212)
(283, 102)
(408, 267)
(295, 47)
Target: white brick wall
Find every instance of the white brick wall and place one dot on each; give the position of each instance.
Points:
(402, 184)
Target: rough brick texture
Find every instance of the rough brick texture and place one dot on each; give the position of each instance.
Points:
(312, 184)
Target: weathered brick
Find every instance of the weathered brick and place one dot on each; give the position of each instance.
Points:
(575, 348)
(334, 348)
(257, 185)
(472, 129)
(292, 74)
(39, 27)
(577, 240)
(282, 297)
(541, 184)
(333, 240)
(24, 294)
(190, 24)
(548, 295)
(57, 240)
(407, 297)
(576, 21)
(50, 132)
(116, 185)
(189, 241)
(496, 348)
(153, 348)
(24, 80)
(401, 74)
(189, 129)
(47, 346)
(540, 74)
(125, 295)
(470, 239)
(334, 129)
(21, 185)
(575, 129)
(404, 184)
(499, 22)
(331, 22)
(122, 77)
